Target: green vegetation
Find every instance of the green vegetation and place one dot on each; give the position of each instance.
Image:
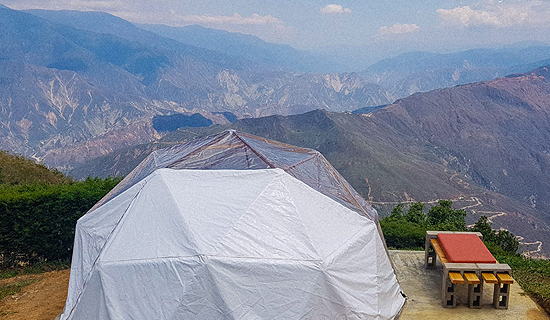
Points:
(38, 212)
(532, 275)
(18, 170)
(502, 240)
(37, 221)
(408, 231)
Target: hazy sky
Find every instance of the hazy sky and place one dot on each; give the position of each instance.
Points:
(305, 24)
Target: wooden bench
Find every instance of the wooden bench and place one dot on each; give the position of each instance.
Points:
(456, 278)
(438, 250)
(505, 278)
(489, 277)
(471, 278)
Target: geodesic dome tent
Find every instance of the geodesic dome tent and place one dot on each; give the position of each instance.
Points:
(241, 151)
(194, 233)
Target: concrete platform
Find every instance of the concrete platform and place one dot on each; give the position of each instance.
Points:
(422, 287)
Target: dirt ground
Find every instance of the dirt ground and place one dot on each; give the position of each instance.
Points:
(42, 300)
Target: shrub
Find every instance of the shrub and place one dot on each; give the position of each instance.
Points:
(37, 222)
(416, 213)
(502, 239)
(444, 217)
(408, 231)
(402, 234)
(397, 211)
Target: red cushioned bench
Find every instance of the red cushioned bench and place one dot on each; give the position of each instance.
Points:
(464, 248)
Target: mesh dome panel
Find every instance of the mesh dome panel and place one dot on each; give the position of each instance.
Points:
(241, 151)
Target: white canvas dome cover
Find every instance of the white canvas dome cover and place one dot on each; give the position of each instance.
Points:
(228, 244)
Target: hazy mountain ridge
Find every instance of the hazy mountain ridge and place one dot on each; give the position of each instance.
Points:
(423, 71)
(249, 47)
(63, 88)
(236, 45)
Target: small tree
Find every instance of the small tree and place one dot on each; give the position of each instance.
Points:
(502, 239)
(507, 241)
(484, 227)
(397, 211)
(416, 213)
(444, 217)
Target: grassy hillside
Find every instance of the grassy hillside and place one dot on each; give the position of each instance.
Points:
(38, 210)
(18, 170)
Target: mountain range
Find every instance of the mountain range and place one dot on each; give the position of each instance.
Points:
(93, 94)
(484, 145)
(424, 71)
(232, 44)
(250, 47)
(95, 91)
(401, 76)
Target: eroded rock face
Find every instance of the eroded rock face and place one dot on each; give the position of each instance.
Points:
(64, 90)
(53, 109)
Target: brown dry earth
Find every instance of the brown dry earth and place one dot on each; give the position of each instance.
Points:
(43, 300)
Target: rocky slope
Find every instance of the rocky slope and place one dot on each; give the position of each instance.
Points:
(64, 89)
(497, 132)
